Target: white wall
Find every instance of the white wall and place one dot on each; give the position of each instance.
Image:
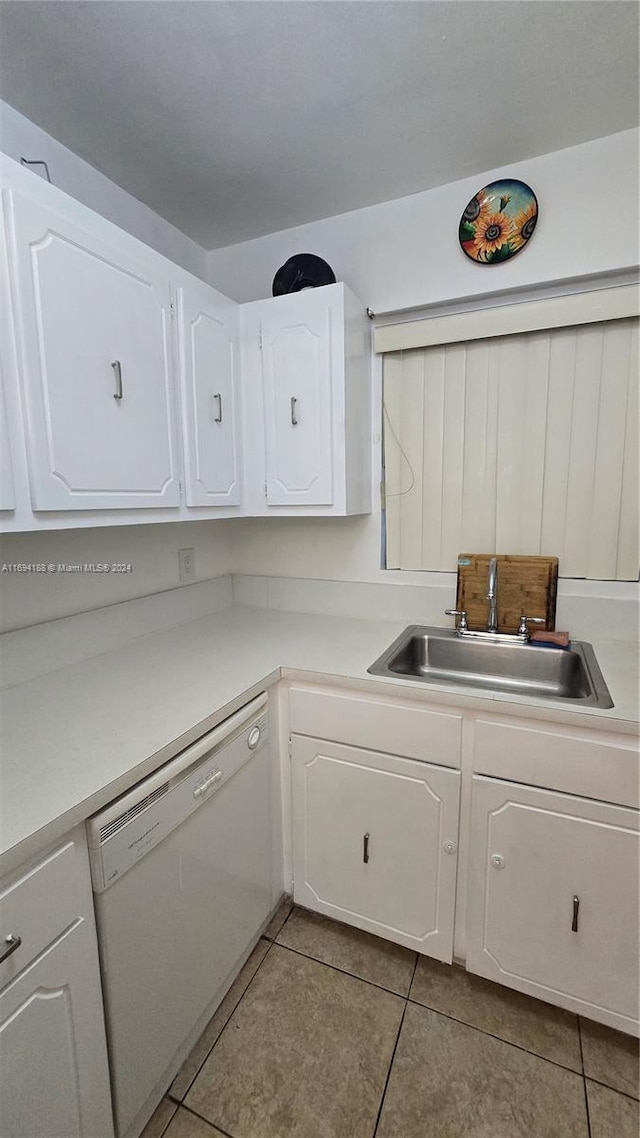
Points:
(20, 138)
(405, 253)
(152, 550)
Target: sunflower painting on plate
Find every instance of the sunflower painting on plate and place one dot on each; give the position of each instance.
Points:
(498, 221)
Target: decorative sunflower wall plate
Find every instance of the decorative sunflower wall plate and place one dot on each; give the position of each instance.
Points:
(498, 221)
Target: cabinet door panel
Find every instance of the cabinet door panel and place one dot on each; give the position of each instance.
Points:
(208, 330)
(52, 1054)
(298, 376)
(533, 852)
(371, 839)
(93, 327)
(7, 487)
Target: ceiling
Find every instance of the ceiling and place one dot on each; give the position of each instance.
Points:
(235, 119)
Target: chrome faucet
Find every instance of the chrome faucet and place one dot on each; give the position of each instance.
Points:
(492, 596)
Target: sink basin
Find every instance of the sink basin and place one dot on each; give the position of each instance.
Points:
(439, 656)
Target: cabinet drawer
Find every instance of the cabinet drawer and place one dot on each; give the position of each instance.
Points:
(592, 764)
(39, 903)
(379, 724)
(553, 898)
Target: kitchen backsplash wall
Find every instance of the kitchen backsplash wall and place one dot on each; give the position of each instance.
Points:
(152, 551)
(292, 563)
(42, 648)
(584, 608)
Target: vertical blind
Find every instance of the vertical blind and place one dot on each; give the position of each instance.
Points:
(522, 444)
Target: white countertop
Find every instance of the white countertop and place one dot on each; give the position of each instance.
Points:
(77, 737)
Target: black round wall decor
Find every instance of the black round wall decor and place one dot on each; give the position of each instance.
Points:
(303, 270)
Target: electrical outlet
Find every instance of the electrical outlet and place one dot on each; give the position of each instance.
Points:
(186, 566)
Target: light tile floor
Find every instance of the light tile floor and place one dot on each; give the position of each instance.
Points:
(329, 1032)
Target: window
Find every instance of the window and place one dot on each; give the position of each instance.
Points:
(519, 443)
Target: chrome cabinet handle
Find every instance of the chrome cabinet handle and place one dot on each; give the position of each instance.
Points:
(118, 374)
(294, 421)
(12, 942)
(365, 849)
(576, 906)
(218, 418)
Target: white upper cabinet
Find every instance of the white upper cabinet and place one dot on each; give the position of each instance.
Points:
(208, 353)
(306, 393)
(7, 488)
(93, 329)
(138, 393)
(298, 380)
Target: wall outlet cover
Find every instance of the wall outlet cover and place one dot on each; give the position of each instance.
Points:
(186, 566)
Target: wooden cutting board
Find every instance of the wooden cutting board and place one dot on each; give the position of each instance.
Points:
(525, 585)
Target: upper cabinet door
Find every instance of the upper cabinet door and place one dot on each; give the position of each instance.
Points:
(298, 380)
(94, 337)
(7, 489)
(208, 334)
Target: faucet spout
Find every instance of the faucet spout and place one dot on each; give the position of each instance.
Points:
(492, 596)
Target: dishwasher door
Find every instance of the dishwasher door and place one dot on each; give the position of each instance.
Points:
(173, 927)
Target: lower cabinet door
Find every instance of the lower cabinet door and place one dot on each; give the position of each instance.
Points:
(375, 842)
(53, 1062)
(553, 899)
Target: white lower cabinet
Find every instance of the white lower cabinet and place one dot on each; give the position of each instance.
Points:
(553, 898)
(54, 1080)
(375, 842)
(50, 1051)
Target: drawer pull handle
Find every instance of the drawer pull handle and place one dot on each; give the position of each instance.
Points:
(294, 417)
(218, 399)
(118, 376)
(365, 849)
(12, 942)
(576, 906)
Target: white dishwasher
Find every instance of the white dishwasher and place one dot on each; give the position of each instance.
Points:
(183, 880)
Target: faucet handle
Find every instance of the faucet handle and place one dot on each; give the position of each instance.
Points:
(462, 626)
(525, 621)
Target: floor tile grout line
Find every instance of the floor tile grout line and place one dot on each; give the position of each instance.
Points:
(499, 1038)
(233, 1010)
(584, 1079)
(343, 971)
(608, 1087)
(395, 1047)
(273, 938)
(173, 1114)
(417, 1003)
(379, 1114)
(212, 1124)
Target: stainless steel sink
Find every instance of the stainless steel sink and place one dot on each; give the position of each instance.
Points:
(439, 656)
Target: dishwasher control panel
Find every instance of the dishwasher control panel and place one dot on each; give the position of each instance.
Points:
(147, 818)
